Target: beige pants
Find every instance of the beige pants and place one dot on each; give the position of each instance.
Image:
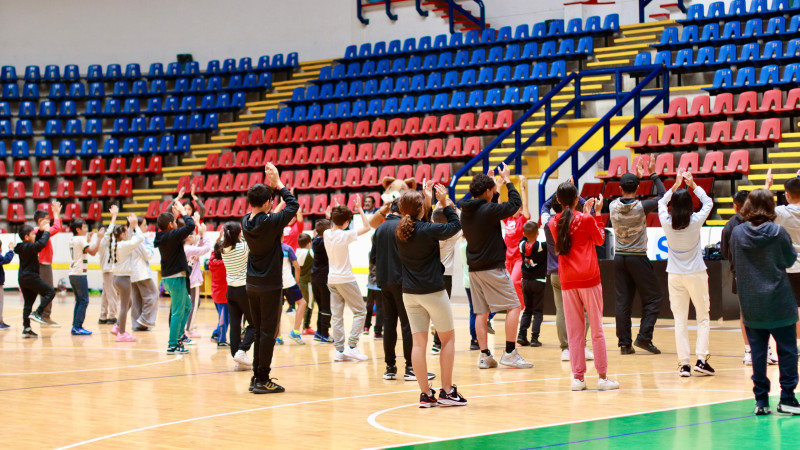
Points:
(422, 309)
(684, 288)
(109, 304)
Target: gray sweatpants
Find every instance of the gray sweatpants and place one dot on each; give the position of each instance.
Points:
(109, 303)
(350, 294)
(46, 273)
(144, 302)
(561, 324)
(123, 285)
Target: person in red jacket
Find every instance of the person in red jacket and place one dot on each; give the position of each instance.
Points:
(41, 217)
(219, 292)
(512, 235)
(576, 234)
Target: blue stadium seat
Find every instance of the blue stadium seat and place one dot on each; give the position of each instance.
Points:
(5, 110)
(494, 99)
(113, 72)
(93, 127)
(94, 73)
(133, 71)
(574, 27)
(539, 31)
(156, 125)
(112, 107)
(180, 123)
(110, 147)
(120, 126)
(73, 128)
(167, 144)
(6, 130)
(96, 90)
(391, 106)
(20, 149)
(93, 108)
(238, 100)
(130, 146)
(139, 88)
(263, 64)
(191, 69)
(67, 148)
(44, 149)
(556, 28)
(522, 73)
(530, 94)
(298, 114)
(229, 66)
(33, 74)
(277, 61)
(488, 37)
(52, 74)
(197, 85)
(57, 91)
(174, 70)
(23, 128)
(522, 32)
(207, 102)
(211, 122)
(150, 145)
(213, 67)
(121, 89)
(3, 151)
(188, 103)
(47, 109)
(271, 117)
(88, 147)
(184, 143)
(456, 40)
(8, 74)
(475, 99)
(67, 109)
(30, 91)
(77, 91)
(156, 71)
(11, 91)
(153, 105)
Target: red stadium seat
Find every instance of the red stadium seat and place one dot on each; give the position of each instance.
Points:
(485, 121)
(435, 149)
(199, 182)
(226, 183)
(334, 180)
(399, 150)
(41, 190)
(65, 189)
(416, 150)
(429, 125)
(770, 131)
(305, 203)
(353, 178)
(364, 153)
(212, 184)
(612, 189)
(319, 205)
(258, 137)
(331, 132)
(72, 211)
(46, 206)
(212, 162)
(240, 182)
(617, 167)
(108, 188)
(647, 137)
(94, 212)
(300, 157)
(738, 163)
(378, 129)
(242, 158)
(723, 105)
(712, 162)
(47, 168)
(771, 101)
(453, 148)
(346, 131)
(387, 171)
(370, 177)
(316, 155)
(791, 103)
(284, 157)
(701, 106)
(154, 166)
(653, 220)
(22, 168)
(671, 136)
(239, 207)
(337, 199)
(269, 137)
(747, 103)
(72, 168)
(505, 119)
(300, 134)
(211, 208)
(137, 166)
(315, 132)
(284, 136)
(256, 160)
(16, 190)
(678, 108)
(348, 155)
(645, 164)
(383, 152)
(591, 190)
(317, 179)
(447, 124)
(645, 188)
(411, 127)
(116, 167)
(395, 127)
(466, 123)
(287, 178)
(665, 164)
(97, 166)
(255, 178)
(472, 146)
(405, 172)
(301, 180)
(362, 130)
(242, 139)
(88, 189)
(695, 132)
(15, 213)
(226, 160)
(3, 172)
(152, 210)
(224, 207)
(270, 156)
(331, 155)
(441, 173)
(690, 161)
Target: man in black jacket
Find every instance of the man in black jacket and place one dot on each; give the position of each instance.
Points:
(30, 282)
(263, 232)
(490, 283)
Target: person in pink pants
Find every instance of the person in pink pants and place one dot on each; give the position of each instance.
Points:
(576, 234)
(512, 234)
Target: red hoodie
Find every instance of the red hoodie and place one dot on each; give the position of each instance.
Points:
(579, 269)
(219, 283)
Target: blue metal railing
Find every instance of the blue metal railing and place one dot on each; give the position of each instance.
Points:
(643, 4)
(452, 6)
(659, 95)
(360, 6)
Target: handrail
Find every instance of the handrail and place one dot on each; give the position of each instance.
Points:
(643, 4)
(452, 5)
(388, 3)
(660, 95)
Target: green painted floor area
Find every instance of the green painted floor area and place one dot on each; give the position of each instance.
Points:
(730, 425)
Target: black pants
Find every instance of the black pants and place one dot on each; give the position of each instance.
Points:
(265, 306)
(635, 272)
(31, 287)
(394, 309)
(533, 294)
(374, 297)
(322, 297)
(786, 341)
(238, 306)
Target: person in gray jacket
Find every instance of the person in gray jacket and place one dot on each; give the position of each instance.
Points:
(633, 269)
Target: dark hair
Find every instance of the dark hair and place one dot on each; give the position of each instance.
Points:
(303, 240)
(142, 220)
(411, 204)
(740, 197)
(438, 216)
(759, 207)
(39, 214)
(566, 194)
(321, 226)
(119, 230)
(341, 214)
(792, 187)
(369, 197)
(24, 231)
(393, 208)
(218, 250)
(480, 184)
(76, 225)
(259, 194)
(681, 209)
(164, 219)
(231, 234)
(530, 226)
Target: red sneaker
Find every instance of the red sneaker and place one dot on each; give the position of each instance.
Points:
(308, 331)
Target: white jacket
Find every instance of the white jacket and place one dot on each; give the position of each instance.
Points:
(141, 257)
(789, 219)
(685, 254)
(124, 265)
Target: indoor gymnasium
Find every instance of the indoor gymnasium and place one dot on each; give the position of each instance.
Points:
(400, 223)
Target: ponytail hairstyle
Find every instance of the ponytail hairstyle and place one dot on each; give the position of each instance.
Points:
(681, 209)
(566, 194)
(118, 232)
(411, 205)
(218, 251)
(231, 234)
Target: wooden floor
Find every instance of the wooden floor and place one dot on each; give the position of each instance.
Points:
(64, 391)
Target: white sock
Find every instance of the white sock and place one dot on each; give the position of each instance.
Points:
(747, 348)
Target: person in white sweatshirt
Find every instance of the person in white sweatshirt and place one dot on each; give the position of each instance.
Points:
(126, 240)
(687, 276)
(144, 292)
(109, 302)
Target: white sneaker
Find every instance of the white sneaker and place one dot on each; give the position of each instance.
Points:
(486, 362)
(748, 359)
(578, 385)
(241, 358)
(355, 353)
(565, 354)
(341, 356)
(514, 359)
(606, 384)
(588, 353)
(771, 358)
(238, 367)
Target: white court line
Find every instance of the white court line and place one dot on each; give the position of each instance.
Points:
(571, 422)
(91, 370)
(326, 400)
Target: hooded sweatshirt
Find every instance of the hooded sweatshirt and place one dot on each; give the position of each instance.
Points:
(789, 219)
(761, 255)
(481, 221)
(29, 256)
(423, 271)
(545, 216)
(629, 219)
(388, 269)
(170, 245)
(263, 233)
(579, 269)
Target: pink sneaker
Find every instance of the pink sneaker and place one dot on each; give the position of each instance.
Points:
(115, 329)
(193, 334)
(125, 337)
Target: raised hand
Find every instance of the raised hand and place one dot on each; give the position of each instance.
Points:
(587, 207)
(523, 183)
(678, 180)
(571, 180)
(689, 180)
(272, 173)
(427, 187)
(183, 191)
(178, 209)
(194, 188)
(769, 180)
(441, 195)
(114, 210)
(202, 229)
(45, 227)
(505, 172)
(133, 222)
(639, 168)
(598, 205)
(196, 217)
(652, 163)
(357, 204)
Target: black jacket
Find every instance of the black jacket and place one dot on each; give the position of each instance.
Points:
(319, 270)
(29, 256)
(483, 230)
(263, 233)
(170, 245)
(388, 270)
(534, 260)
(5, 259)
(423, 272)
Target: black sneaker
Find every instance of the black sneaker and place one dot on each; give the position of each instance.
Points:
(473, 345)
(252, 383)
(523, 342)
(378, 336)
(267, 388)
(177, 350)
(411, 376)
(626, 350)
(36, 317)
(391, 373)
(111, 321)
(647, 346)
(102, 321)
(535, 342)
(428, 400)
(789, 407)
(451, 399)
(704, 367)
(28, 333)
(685, 371)
(762, 410)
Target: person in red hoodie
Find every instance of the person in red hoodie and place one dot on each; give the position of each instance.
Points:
(219, 292)
(46, 255)
(512, 235)
(576, 234)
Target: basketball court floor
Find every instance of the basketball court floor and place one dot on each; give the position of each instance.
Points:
(63, 391)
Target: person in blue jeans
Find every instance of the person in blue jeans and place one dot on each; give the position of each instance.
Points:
(761, 251)
(81, 245)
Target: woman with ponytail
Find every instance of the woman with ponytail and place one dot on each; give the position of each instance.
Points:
(126, 240)
(424, 293)
(576, 234)
(234, 254)
(109, 303)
